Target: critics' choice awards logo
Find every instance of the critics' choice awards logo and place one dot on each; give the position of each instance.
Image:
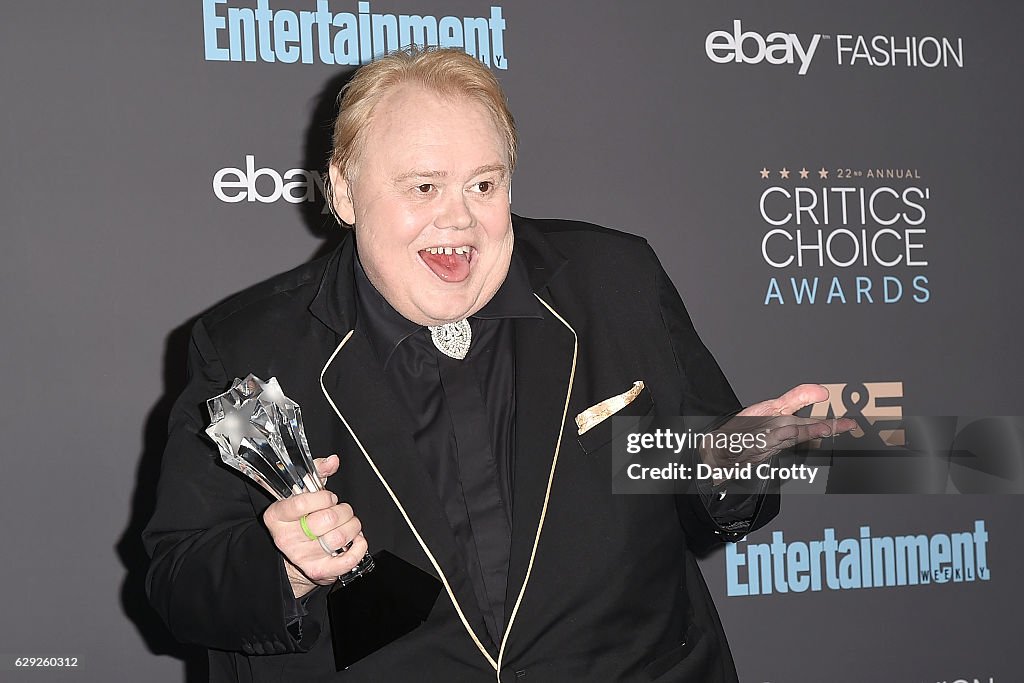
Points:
(844, 236)
(748, 46)
(238, 31)
(267, 185)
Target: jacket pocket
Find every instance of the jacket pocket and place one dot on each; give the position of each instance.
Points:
(601, 433)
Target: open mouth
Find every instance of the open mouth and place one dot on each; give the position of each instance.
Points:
(449, 263)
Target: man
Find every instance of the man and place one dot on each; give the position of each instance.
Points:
(476, 454)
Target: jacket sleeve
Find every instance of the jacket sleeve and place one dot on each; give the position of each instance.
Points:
(707, 517)
(215, 576)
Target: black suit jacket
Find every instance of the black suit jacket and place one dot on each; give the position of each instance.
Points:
(602, 587)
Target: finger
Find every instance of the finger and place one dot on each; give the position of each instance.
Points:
(843, 424)
(813, 430)
(780, 421)
(763, 427)
(800, 397)
(292, 538)
(794, 434)
(790, 402)
(785, 432)
(292, 508)
(305, 552)
(327, 569)
(339, 537)
(820, 428)
(323, 521)
(325, 467)
(782, 437)
(353, 556)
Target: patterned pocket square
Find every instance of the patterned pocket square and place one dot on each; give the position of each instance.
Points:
(596, 414)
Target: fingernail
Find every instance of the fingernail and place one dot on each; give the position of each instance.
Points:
(334, 497)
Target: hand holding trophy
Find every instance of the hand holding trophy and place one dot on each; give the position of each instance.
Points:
(258, 431)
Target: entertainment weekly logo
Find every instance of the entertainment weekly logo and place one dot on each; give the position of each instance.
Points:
(958, 679)
(267, 185)
(236, 31)
(862, 561)
(785, 48)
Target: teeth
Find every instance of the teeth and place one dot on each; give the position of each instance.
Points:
(447, 250)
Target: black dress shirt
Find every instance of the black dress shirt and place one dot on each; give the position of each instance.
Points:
(462, 416)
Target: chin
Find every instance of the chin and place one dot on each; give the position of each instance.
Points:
(447, 315)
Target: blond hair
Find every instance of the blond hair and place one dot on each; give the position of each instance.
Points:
(448, 71)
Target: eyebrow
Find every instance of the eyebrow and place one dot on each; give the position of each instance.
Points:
(502, 168)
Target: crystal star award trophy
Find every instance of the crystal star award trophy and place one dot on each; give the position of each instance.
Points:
(258, 431)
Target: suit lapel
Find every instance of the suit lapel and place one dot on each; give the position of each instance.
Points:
(544, 362)
(354, 382)
(357, 386)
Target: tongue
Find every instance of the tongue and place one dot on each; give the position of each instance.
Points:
(448, 267)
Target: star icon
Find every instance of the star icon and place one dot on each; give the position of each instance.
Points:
(804, 173)
(784, 173)
(823, 173)
(764, 173)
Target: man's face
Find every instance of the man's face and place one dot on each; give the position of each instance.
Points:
(429, 198)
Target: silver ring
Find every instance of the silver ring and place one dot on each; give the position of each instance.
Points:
(327, 549)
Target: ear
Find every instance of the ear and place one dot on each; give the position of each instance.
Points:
(342, 190)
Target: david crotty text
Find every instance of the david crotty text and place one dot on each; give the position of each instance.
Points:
(746, 471)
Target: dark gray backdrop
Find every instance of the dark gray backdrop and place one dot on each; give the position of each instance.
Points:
(114, 126)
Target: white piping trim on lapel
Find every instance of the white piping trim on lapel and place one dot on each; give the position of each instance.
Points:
(547, 492)
(405, 515)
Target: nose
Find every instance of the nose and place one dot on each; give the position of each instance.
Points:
(455, 212)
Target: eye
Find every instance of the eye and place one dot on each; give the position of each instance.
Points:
(484, 186)
(425, 188)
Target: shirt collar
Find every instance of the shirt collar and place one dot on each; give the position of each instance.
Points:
(386, 328)
(514, 299)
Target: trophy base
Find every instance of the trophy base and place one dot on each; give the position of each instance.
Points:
(378, 609)
(365, 566)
